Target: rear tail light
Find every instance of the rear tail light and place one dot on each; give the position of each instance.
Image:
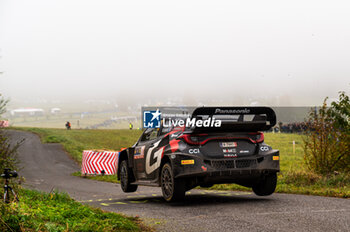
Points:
(193, 140)
(259, 137)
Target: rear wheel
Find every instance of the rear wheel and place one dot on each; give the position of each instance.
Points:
(266, 186)
(126, 178)
(173, 189)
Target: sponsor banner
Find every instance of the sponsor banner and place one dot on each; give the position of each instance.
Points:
(154, 117)
(94, 162)
(286, 115)
(4, 124)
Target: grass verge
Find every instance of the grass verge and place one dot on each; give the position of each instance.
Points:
(293, 178)
(107, 178)
(37, 211)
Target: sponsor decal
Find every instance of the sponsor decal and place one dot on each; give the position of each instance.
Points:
(244, 151)
(275, 158)
(264, 148)
(232, 111)
(173, 135)
(185, 162)
(228, 144)
(151, 118)
(229, 150)
(139, 156)
(139, 152)
(194, 151)
(191, 122)
(230, 155)
(156, 155)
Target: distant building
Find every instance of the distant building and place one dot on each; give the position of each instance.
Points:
(27, 112)
(55, 110)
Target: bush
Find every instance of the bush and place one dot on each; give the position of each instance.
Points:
(7, 151)
(340, 113)
(3, 103)
(327, 140)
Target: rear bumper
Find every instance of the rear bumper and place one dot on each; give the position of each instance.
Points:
(226, 170)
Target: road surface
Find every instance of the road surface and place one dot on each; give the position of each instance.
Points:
(47, 167)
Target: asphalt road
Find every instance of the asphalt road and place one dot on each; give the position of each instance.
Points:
(47, 167)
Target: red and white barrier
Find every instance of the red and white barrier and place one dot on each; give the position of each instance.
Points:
(4, 124)
(95, 161)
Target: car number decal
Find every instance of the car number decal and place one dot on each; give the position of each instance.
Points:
(228, 144)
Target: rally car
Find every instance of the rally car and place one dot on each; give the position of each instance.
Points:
(179, 158)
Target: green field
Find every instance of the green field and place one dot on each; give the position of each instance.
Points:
(37, 211)
(77, 122)
(293, 178)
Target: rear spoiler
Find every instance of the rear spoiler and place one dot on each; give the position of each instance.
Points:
(236, 119)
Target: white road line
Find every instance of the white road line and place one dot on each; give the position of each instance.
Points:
(306, 211)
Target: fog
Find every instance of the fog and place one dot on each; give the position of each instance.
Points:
(291, 53)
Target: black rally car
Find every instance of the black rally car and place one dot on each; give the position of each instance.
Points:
(179, 158)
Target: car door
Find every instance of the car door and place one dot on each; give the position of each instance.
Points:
(146, 155)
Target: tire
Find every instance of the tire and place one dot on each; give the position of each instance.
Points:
(126, 177)
(172, 189)
(266, 186)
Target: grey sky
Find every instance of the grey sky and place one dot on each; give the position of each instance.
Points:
(299, 50)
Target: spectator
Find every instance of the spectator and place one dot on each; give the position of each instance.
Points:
(68, 126)
(295, 127)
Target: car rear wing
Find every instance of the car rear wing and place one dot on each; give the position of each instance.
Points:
(235, 119)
